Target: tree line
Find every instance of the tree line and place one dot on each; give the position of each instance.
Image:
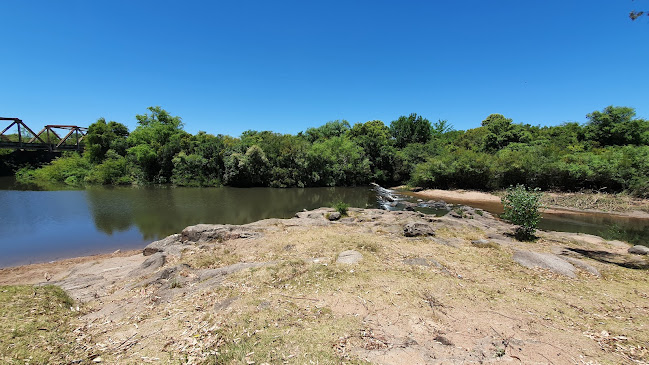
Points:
(610, 152)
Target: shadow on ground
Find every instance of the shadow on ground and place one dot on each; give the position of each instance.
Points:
(612, 258)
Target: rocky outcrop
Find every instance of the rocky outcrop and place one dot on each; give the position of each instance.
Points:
(149, 265)
(171, 244)
(639, 250)
(418, 229)
(216, 232)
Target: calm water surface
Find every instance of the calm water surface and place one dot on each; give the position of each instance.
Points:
(37, 226)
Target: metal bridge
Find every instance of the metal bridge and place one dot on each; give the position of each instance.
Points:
(46, 139)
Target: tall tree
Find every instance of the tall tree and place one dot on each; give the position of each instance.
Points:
(615, 125)
(410, 129)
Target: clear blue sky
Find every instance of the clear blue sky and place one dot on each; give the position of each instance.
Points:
(226, 67)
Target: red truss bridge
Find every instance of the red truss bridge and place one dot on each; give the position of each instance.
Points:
(46, 139)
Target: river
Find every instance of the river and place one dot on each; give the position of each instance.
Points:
(38, 226)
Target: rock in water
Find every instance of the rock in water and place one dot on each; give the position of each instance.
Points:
(418, 229)
(639, 250)
(349, 257)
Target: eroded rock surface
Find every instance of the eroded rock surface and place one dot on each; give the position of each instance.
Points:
(418, 229)
(548, 261)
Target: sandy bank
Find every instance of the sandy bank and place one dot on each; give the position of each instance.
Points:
(492, 202)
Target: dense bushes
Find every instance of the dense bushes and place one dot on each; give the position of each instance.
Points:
(610, 152)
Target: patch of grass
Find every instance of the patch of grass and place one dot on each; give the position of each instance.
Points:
(368, 246)
(36, 325)
(211, 259)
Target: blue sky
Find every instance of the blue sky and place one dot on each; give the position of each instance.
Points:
(226, 67)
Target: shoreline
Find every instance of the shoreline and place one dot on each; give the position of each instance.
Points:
(492, 202)
(37, 273)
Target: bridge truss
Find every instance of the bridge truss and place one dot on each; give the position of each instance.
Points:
(46, 139)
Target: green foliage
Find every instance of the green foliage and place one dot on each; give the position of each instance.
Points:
(410, 129)
(522, 207)
(104, 136)
(71, 169)
(610, 153)
(341, 207)
(501, 132)
(338, 161)
(615, 126)
(112, 171)
(336, 128)
(249, 169)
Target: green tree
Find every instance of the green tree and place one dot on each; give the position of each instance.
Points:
(155, 142)
(249, 169)
(102, 137)
(374, 138)
(410, 129)
(336, 128)
(338, 161)
(501, 131)
(615, 126)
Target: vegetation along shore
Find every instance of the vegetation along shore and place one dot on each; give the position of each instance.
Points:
(609, 153)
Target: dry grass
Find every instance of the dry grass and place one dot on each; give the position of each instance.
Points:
(37, 326)
(296, 311)
(621, 203)
(472, 304)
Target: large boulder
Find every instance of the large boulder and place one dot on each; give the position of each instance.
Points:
(418, 229)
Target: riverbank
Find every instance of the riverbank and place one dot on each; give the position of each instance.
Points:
(555, 202)
(377, 286)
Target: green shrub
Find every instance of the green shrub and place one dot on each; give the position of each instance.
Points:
(522, 207)
(341, 208)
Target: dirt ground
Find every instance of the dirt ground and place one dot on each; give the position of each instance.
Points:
(273, 292)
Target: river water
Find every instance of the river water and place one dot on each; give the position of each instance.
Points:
(38, 226)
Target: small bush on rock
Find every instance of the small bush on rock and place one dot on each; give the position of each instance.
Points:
(341, 208)
(522, 207)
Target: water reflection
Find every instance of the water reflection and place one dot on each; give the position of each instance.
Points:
(160, 211)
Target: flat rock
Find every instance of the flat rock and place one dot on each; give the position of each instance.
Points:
(546, 261)
(149, 265)
(584, 266)
(639, 250)
(418, 229)
(349, 257)
(618, 244)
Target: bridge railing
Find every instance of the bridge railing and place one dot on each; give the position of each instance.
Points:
(46, 139)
